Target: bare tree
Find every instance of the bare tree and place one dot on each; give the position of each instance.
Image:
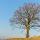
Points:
(26, 15)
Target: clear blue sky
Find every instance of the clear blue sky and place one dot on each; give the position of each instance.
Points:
(7, 7)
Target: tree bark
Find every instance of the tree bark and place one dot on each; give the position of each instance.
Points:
(27, 30)
(27, 35)
(28, 27)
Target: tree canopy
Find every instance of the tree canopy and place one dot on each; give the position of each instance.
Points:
(27, 15)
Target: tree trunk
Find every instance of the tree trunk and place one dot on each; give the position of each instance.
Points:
(28, 27)
(27, 35)
(27, 30)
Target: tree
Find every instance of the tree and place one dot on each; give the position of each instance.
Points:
(26, 15)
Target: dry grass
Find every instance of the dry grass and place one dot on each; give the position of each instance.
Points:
(32, 38)
(35, 38)
(19, 39)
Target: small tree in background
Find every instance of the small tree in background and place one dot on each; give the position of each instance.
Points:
(26, 15)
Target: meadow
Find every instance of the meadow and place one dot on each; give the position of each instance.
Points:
(32, 38)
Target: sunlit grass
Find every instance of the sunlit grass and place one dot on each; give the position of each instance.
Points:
(32, 38)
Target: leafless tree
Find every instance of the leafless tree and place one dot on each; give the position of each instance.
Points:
(26, 15)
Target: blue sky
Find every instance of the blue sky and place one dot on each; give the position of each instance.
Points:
(7, 7)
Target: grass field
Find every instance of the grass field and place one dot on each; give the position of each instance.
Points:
(32, 38)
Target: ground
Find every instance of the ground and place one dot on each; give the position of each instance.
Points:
(32, 38)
